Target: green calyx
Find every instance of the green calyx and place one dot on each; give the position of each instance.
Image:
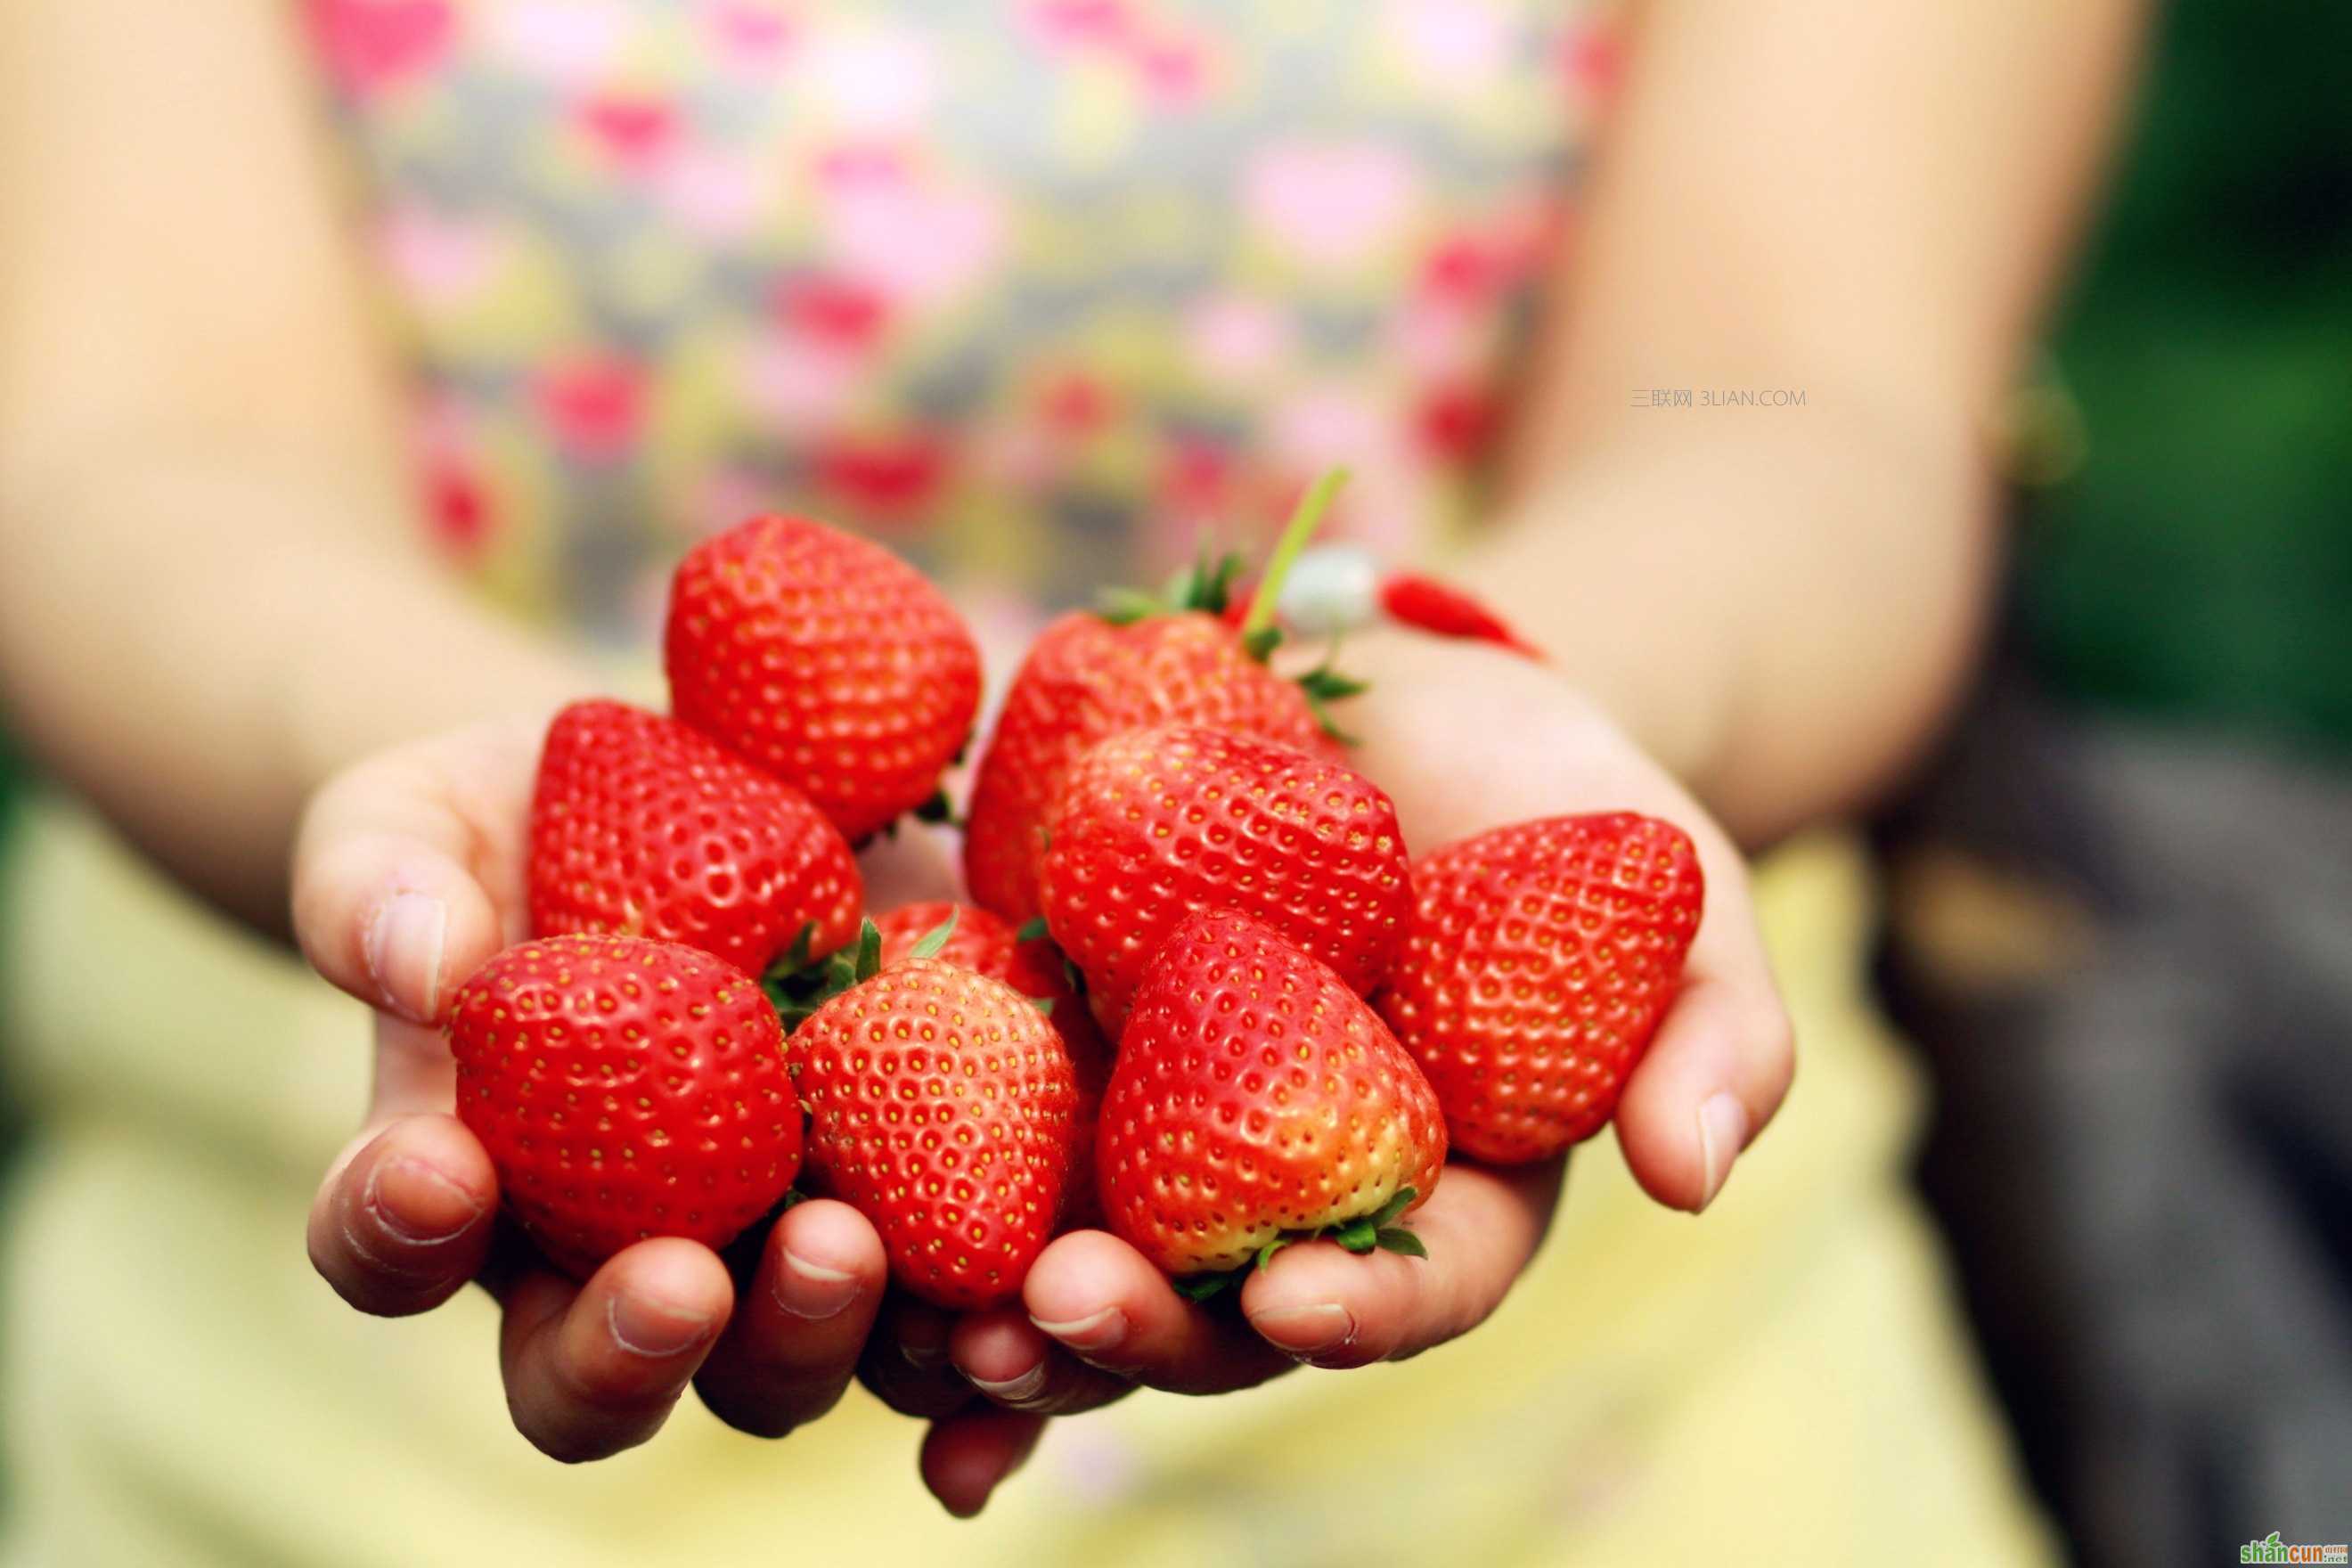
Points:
(797, 987)
(1373, 1232)
(1207, 585)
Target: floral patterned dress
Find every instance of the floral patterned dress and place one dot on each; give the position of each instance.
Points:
(1040, 291)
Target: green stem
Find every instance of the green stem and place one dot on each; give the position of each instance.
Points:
(1301, 528)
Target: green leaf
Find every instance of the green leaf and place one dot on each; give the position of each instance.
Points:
(796, 957)
(1043, 1004)
(1260, 644)
(1390, 1210)
(1266, 1254)
(1330, 685)
(869, 953)
(1396, 1238)
(1356, 1236)
(1125, 606)
(934, 939)
(1201, 1287)
(1031, 929)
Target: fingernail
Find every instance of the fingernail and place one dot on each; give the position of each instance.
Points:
(651, 1329)
(1014, 1390)
(403, 954)
(922, 1357)
(1305, 1331)
(1089, 1335)
(1722, 1133)
(812, 1291)
(418, 1203)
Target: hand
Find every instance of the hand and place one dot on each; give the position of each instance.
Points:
(1465, 738)
(409, 872)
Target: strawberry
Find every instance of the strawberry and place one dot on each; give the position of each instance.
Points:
(1031, 965)
(1197, 656)
(1538, 962)
(1259, 1100)
(825, 660)
(645, 826)
(1157, 824)
(1086, 679)
(939, 1103)
(625, 1088)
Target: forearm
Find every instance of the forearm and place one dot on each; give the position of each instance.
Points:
(196, 642)
(1861, 204)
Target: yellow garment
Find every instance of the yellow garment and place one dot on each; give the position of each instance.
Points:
(1779, 1381)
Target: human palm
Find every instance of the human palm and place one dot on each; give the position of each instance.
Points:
(410, 872)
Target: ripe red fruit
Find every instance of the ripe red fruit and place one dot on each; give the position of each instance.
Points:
(825, 660)
(625, 1088)
(1257, 1099)
(940, 1105)
(982, 944)
(1086, 679)
(1540, 959)
(1158, 823)
(643, 826)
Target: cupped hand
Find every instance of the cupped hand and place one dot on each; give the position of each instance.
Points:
(1465, 737)
(408, 873)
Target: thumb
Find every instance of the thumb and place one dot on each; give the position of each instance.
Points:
(389, 896)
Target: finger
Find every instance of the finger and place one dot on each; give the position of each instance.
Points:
(905, 1364)
(966, 1457)
(388, 901)
(594, 1369)
(796, 1336)
(916, 864)
(1015, 1365)
(1720, 1066)
(1098, 1297)
(1334, 1308)
(403, 1222)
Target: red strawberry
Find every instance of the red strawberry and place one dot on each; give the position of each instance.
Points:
(1086, 679)
(982, 944)
(1539, 964)
(644, 826)
(1258, 1099)
(1158, 823)
(940, 1105)
(825, 660)
(625, 1088)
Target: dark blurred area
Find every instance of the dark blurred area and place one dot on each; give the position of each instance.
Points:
(2120, 930)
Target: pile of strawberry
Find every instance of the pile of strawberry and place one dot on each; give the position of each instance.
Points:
(1201, 998)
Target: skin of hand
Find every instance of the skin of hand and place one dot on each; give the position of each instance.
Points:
(409, 872)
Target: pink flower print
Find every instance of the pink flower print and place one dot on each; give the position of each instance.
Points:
(799, 384)
(713, 193)
(574, 42)
(630, 129)
(1456, 422)
(435, 259)
(457, 506)
(1461, 267)
(1233, 337)
(1437, 336)
(1063, 26)
(1591, 60)
(891, 477)
(724, 498)
(595, 403)
(1076, 405)
(841, 312)
(1461, 44)
(1330, 204)
(914, 243)
(1174, 71)
(870, 81)
(373, 45)
(749, 36)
